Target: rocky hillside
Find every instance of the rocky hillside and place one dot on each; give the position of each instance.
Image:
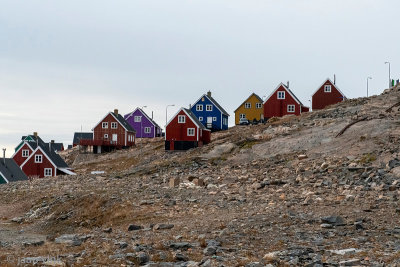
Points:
(321, 189)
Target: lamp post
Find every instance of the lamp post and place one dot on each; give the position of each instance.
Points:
(369, 78)
(390, 82)
(166, 116)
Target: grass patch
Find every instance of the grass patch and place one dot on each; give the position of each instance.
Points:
(367, 158)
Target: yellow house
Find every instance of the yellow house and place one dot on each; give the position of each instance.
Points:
(251, 109)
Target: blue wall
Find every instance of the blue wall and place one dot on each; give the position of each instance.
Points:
(217, 125)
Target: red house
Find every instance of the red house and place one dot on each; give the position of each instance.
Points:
(185, 131)
(38, 159)
(110, 133)
(283, 102)
(327, 94)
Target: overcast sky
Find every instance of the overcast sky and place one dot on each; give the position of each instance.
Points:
(64, 64)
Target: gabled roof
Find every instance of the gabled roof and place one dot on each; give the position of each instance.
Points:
(79, 136)
(54, 158)
(56, 146)
(127, 116)
(212, 100)
(10, 171)
(121, 121)
(191, 116)
(259, 98)
(288, 90)
(334, 85)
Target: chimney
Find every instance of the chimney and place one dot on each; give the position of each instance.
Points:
(116, 112)
(334, 79)
(52, 141)
(287, 84)
(209, 93)
(35, 134)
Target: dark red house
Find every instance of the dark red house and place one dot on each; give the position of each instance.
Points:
(110, 133)
(185, 131)
(327, 94)
(283, 102)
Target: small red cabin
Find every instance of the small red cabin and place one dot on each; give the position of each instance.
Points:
(112, 132)
(327, 94)
(185, 131)
(283, 102)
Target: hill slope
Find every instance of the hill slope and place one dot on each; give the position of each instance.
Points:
(287, 192)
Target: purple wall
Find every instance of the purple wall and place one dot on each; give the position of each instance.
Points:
(140, 133)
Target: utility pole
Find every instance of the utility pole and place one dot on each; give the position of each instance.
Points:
(369, 78)
(166, 116)
(390, 80)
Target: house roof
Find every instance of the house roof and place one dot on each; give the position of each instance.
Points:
(259, 98)
(121, 121)
(193, 117)
(334, 85)
(81, 135)
(212, 100)
(127, 116)
(10, 171)
(288, 90)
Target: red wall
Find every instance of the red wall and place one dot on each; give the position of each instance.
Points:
(178, 131)
(32, 169)
(275, 107)
(321, 99)
(120, 131)
(18, 156)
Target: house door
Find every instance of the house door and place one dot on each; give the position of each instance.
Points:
(209, 122)
(115, 138)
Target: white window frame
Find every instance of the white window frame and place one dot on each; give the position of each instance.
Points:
(189, 130)
(247, 105)
(199, 107)
(214, 118)
(105, 136)
(289, 108)
(327, 88)
(104, 125)
(281, 94)
(258, 105)
(138, 118)
(200, 118)
(242, 116)
(25, 153)
(114, 125)
(50, 170)
(181, 119)
(38, 158)
(209, 108)
(147, 130)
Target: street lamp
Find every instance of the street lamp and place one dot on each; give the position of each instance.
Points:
(369, 78)
(390, 82)
(166, 115)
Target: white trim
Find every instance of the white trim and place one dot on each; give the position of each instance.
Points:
(25, 150)
(5, 179)
(198, 106)
(286, 89)
(51, 172)
(187, 131)
(247, 103)
(291, 105)
(105, 136)
(144, 114)
(25, 142)
(126, 136)
(41, 158)
(176, 114)
(104, 125)
(214, 118)
(258, 103)
(205, 95)
(334, 85)
(181, 119)
(148, 131)
(115, 123)
(33, 153)
(112, 114)
(281, 95)
(259, 98)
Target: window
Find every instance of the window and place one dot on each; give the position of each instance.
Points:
(281, 94)
(48, 172)
(200, 118)
(147, 129)
(327, 88)
(214, 118)
(242, 116)
(209, 108)
(247, 105)
(190, 131)
(38, 158)
(199, 107)
(181, 119)
(114, 125)
(25, 153)
(290, 108)
(258, 105)
(104, 125)
(105, 136)
(138, 118)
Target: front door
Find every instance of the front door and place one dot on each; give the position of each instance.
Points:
(209, 122)
(115, 138)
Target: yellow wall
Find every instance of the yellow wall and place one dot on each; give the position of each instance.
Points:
(251, 113)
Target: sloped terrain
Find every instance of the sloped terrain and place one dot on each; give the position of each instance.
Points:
(288, 192)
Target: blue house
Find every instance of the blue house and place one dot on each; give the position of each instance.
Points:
(210, 113)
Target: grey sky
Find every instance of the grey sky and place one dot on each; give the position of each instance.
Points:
(64, 64)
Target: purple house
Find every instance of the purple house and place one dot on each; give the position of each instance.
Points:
(144, 126)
